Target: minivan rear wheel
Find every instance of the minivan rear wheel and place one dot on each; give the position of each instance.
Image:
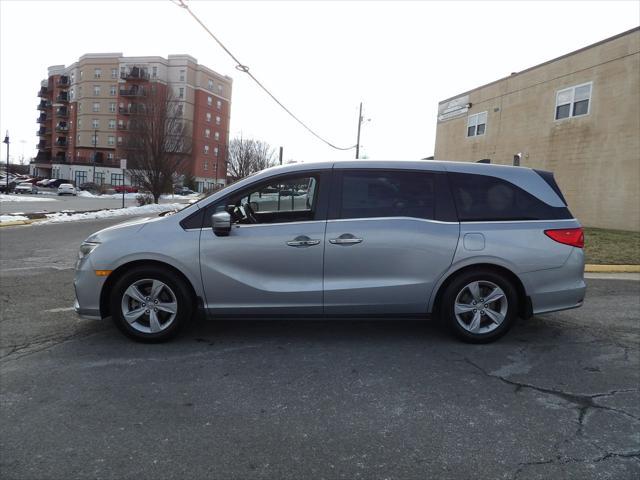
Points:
(149, 304)
(480, 306)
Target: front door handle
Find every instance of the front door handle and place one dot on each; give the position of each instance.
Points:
(302, 241)
(345, 239)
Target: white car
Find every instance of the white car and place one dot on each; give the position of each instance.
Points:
(43, 182)
(66, 189)
(26, 187)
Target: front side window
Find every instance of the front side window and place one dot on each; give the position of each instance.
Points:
(573, 101)
(485, 198)
(368, 194)
(290, 195)
(476, 124)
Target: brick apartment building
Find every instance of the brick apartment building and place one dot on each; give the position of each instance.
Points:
(85, 110)
(576, 115)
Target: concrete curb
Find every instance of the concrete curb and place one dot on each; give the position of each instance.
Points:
(13, 223)
(612, 268)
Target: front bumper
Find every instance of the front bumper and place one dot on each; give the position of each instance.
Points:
(88, 287)
(89, 314)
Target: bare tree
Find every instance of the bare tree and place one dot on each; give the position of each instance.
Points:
(158, 140)
(247, 156)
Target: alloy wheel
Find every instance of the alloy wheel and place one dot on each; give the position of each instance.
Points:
(480, 307)
(149, 305)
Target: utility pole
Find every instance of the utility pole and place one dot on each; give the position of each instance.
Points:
(359, 125)
(280, 155)
(6, 140)
(95, 153)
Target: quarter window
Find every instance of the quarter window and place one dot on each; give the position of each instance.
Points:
(573, 101)
(387, 194)
(476, 124)
(485, 198)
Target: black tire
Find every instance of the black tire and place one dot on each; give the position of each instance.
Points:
(182, 294)
(458, 284)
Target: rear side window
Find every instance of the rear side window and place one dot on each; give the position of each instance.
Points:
(485, 198)
(367, 194)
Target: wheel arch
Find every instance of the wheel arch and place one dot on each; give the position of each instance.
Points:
(524, 302)
(105, 293)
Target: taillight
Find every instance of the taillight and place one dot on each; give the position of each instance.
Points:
(568, 236)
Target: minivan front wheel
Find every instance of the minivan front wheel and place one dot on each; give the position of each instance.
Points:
(149, 304)
(480, 306)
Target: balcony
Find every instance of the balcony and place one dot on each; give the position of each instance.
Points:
(62, 142)
(62, 127)
(63, 81)
(135, 73)
(61, 157)
(62, 112)
(62, 97)
(133, 92)
(43, 131)
(43, 92)
(44, 105)
(43, 145)
(42, 118)
(42, 157)
(132, 110)
(121, 126)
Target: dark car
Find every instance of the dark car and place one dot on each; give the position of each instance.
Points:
(56, 183)
(3, 187)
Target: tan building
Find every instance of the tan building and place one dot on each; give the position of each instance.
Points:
(577, 115)
(85, 110)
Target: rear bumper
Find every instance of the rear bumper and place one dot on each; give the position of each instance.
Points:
(557, 288)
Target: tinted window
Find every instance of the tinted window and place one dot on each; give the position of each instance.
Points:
(485, 198)
(387, 194)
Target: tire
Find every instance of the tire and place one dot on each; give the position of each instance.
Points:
(173, 294)
(482, 322)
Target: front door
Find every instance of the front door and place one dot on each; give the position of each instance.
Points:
(271, 262)
(383, 249)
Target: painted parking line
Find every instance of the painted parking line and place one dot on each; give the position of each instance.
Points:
(62, 309)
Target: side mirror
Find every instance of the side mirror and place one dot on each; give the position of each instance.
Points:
(221, 224)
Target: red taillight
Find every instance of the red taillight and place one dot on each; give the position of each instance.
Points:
(568, 236)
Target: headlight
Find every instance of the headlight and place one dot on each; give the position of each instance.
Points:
(86, 248)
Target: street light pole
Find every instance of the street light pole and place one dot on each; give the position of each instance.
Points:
(95, 146)
(359, 125)
(6, 140)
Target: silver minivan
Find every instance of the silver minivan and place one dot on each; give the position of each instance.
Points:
(477, 245)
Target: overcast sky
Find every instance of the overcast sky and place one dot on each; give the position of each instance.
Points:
(320, 58)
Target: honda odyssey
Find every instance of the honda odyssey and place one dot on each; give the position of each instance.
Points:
(477, 245)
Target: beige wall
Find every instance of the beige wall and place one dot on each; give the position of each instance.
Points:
(595, 158)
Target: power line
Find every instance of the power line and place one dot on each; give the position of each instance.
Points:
(245, 69)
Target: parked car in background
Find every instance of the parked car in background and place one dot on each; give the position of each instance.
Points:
(26, 187)
(126, 188)
(43, 182)
(56, 182)
(3, 186)
(67, 189)
(183, 191)
(477, 245)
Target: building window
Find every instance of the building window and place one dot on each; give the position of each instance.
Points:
(117, 179)
(206, 149)
(476, 124)
(217, 120)
(154, 72)
(181, 92)
(95, 123)
(220, 88)
(208, 116)
(207, 133)
(81, 74)
(72, 94)
(205, 166)
(573, 102)
(210, 84)
(97, 73)
(112, 90)
(79, 91)
(182, 75)
(112, 124)
(119, 140)
(112, 107)
(94, 139)
(81, 177)
(180, 110)
(111, 141)
(73, 77)
(215, 151)
(110, 155)
(114, 73)
(96, 106)
(78, 142)
(99, 178)
(216, 135)
(209, 101)
(219, 105)
(96, 90)
(79, 123)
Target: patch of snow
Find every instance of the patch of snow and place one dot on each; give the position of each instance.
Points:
(12, 218)
(120, 212)
(24, 198)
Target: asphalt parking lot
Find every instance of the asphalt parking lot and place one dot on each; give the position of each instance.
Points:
(558, 397)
